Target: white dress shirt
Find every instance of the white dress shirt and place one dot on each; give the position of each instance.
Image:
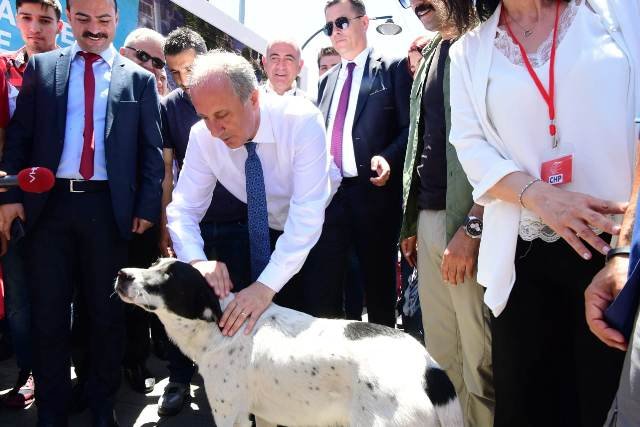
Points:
(299, 183)
(499, 122)
(73, 140)
(349, 168)
(268, 89)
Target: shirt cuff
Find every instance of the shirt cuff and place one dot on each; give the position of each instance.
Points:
(191, 254)
(273, 277)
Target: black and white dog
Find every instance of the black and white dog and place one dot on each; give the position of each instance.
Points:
(295, 369)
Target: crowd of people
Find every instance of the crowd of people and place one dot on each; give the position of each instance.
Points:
(498, 157)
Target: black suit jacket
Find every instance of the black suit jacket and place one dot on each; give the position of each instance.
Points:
(381, 122)
(133, 141)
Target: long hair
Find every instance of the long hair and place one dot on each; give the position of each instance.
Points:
(462, 14)
(486, 8)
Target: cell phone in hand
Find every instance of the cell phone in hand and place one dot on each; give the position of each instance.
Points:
(17, 230)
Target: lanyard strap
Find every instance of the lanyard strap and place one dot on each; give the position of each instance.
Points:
(548, 96)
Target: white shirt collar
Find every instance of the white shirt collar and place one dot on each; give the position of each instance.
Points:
(265, 129)
(359, 60)
(108, 55)
(269, 88)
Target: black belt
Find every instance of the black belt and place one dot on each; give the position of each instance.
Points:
(350, 181)
(81, 186)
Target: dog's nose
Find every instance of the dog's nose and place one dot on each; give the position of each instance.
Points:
(123, 275)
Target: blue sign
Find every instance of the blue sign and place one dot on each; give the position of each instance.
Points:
(10, 38)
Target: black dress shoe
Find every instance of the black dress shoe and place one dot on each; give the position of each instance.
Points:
(140, 379)
(106, 419)
(79, 398)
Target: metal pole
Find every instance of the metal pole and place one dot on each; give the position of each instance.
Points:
(241, 12)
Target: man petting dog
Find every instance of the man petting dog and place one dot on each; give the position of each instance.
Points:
(269, 152)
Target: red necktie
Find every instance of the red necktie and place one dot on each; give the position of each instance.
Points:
(88, 146)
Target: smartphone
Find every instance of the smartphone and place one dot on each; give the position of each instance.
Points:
(17, 230)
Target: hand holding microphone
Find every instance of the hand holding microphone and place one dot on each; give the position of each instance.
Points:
(31, 180)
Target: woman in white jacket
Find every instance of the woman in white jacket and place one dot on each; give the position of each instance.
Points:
(543, 99)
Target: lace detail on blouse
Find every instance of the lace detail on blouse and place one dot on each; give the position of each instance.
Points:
(505, 44)
(533, 228)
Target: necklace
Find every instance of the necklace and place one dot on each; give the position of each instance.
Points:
(527, 33)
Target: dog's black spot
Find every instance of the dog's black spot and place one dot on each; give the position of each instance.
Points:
(360, 330)
(317, 388)
(333, 368)
(224, 380)
(204, 349)
(306, 402)
(231, 351)
(363, 409)
(371, 387)
(438, 386)
(275, 380)
(273, 318)
(221, 400)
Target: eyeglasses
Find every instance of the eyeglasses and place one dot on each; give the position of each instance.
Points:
(144, 57)
(342, 23)
(405, 3)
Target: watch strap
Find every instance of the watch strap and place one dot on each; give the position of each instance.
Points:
(622, 250)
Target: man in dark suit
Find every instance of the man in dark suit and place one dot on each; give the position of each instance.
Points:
(365, 102)
(92, 117)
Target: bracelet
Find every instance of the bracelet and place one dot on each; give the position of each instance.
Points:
(525, 188)
(622, 250)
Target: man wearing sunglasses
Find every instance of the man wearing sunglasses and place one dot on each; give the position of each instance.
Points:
(144, 47)
(440, 214)
(364, 102)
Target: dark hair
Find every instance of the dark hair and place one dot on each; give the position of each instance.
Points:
(461, 13)
(44, 3)
(356, 5)
(182, 39)
(115, 3)
(486, 8)
(327, 51)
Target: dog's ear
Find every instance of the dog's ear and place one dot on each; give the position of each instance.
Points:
(212, 311)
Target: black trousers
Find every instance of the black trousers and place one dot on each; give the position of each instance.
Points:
(75, 242)
(143, 251)
(548, 369)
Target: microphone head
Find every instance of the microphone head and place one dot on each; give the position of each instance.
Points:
(36, 180)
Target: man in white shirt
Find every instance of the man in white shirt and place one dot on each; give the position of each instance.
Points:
(365, 102)
(268, 151)
(282, 64)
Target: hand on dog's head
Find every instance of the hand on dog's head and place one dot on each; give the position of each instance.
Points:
(172, 286)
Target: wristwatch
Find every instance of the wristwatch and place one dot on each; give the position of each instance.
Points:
(619, 251)
(473, 227)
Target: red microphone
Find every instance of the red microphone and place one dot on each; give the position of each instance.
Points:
(31, 180)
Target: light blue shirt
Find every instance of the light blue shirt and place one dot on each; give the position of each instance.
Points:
(73, 136)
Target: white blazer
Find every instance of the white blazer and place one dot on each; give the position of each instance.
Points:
(477, 141)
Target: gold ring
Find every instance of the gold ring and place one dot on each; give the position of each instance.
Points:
(243, 313)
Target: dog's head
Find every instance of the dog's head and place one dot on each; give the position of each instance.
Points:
(172, 286)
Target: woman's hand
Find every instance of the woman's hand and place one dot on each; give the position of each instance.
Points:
(572, 214)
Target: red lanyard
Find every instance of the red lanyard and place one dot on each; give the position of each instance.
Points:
(549, 96)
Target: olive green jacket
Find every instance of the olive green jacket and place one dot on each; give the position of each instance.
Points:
(459, 191)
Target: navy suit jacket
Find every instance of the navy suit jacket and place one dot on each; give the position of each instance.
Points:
(133, 141)
(381, 122)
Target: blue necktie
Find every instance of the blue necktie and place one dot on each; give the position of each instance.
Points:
(259, 243)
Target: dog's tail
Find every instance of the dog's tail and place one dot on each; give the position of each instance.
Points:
(442, 394)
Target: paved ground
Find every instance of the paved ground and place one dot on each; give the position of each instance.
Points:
(133, 409)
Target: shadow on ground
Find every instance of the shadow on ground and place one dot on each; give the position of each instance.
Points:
(133, 409)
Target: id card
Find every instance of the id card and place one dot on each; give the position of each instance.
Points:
(558, 171)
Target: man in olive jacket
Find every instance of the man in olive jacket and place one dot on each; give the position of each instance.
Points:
(442, 222)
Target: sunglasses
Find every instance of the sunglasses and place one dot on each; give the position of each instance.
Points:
(342, 23)
(144, 57)
(405, 3)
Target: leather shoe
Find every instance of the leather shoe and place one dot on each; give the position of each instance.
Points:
(140, 379)
(107, 419)
(79, 398)
(173, 399)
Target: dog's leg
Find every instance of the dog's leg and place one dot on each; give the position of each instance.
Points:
(262, 423)
(242, 420)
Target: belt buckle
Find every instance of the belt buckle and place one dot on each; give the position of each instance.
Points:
(71, 189)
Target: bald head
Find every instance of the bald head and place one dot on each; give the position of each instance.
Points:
(282, 64)
(145, 47)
